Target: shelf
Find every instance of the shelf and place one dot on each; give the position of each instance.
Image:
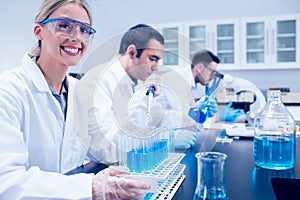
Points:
(225, 51)
(255, 50)
(286, 49)
(225, 38)
(255, 37)
(286, 35)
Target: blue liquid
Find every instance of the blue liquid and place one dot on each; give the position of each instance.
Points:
(148, 196)
(137, 161)
(202, 117)
(212, 195)
(274, 152)
(161, 150)
(140, 160)
(198, 115)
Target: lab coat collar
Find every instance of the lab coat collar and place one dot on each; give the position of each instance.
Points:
(35, 74)
(121, 74)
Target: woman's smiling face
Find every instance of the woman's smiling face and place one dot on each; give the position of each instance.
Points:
(62, 49)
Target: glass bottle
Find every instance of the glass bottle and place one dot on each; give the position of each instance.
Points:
(274, 135)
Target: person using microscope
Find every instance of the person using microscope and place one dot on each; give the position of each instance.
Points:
(187, 92)
(207, 79)
(209, 85)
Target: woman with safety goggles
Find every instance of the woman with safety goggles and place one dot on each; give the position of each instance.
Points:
(39, 141)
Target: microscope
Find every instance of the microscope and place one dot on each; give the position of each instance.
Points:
(243, 94)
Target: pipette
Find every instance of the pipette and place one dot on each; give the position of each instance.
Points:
(150, 93)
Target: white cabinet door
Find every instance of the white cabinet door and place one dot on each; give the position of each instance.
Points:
(270, 42)
(226, 43)
(255, 43)
(174, 47)
(219, 36)
(285, 33)
(200, 36)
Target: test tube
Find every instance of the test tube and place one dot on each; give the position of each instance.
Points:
(147, 148)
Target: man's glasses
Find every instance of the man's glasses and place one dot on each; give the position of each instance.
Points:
(212, 86)
(214, 72)
(67, 27)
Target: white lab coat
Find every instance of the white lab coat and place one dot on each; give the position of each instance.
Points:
(177, 96)
(35, 148)
(101, 101)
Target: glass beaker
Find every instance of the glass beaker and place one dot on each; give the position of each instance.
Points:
(210, 184)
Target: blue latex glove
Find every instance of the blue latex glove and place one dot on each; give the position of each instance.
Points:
(206, 107)
(184, 139)
(212, 108)
(198, 115)
(228, 114)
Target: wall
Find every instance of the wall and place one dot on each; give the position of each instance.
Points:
(113, 17)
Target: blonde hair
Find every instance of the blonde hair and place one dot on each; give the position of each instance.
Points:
(47, 8)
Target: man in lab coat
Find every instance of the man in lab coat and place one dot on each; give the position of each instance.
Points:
(192, 86)
(104, 93)
(188, 85)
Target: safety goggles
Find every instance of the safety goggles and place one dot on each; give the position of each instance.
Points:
(67, 27)
(214, 72)
(215, 82)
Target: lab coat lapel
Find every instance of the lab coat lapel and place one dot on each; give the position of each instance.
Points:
(40, 84)
(74, 145)
(121, 98)
(35, 74)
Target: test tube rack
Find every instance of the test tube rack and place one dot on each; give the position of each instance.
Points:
(168, 187)
(165, 178)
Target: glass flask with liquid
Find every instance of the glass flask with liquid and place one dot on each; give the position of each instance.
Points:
(274, 135)
(210, 184)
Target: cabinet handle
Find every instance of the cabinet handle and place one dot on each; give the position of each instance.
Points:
(214, 41)
(267, 42)
(207, 42)
(273, 41)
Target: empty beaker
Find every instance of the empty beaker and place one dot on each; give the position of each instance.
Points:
(210, 184)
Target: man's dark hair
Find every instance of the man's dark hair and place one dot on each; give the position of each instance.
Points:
(139, 35)
(204, 56)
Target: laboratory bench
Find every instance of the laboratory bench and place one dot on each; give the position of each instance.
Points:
(243, 180)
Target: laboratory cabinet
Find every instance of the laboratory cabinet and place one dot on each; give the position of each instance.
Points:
(174, 48)
(270, 42)
(219, 36)
(241, 43)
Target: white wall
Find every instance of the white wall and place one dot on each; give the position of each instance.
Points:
(113, 17)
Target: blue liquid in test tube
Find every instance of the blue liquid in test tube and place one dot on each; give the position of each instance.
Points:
(147, 150)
